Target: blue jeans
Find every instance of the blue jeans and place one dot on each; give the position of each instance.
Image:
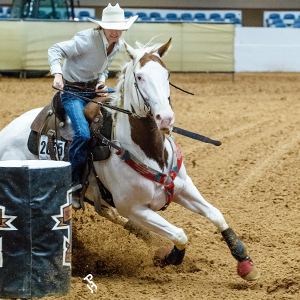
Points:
(79, 148)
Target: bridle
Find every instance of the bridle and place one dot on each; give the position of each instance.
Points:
(138, 92)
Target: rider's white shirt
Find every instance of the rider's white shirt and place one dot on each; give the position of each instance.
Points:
(85, 56)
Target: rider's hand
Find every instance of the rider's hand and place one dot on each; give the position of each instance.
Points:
(101, 87)
(58, 81)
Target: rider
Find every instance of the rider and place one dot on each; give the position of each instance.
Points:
(87, 59)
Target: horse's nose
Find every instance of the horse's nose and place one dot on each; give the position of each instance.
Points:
(165, 119)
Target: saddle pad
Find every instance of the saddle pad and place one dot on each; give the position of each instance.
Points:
(99, 150)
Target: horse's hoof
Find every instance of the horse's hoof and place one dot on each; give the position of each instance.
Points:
(160, 257)
(247, 270)
(76, 204)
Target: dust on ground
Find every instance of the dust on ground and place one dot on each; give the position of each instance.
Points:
(253, 179)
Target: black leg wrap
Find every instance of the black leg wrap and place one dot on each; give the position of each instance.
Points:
(175, 257)
(236, 247)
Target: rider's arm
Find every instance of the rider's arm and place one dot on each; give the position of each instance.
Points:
(74, 47)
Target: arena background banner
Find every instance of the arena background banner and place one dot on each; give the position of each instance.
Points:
(195, 47)
(35, 229)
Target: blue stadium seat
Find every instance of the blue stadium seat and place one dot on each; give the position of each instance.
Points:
(171, 17)
(200, 16)
(155, 15)
(280, 25)
(229, 16)
(277, 21)
(8, 11)
(218, 20)
(272, 19)
(1, 10)
(3, 16)
(84, 14)
(235, 20)
(289, 17)
(142, 14)
(297, 21)
(214, 15)
(128, 14)
(186, 16)
(297, 25)
(159, 20)
(274, 16)
(145, 19)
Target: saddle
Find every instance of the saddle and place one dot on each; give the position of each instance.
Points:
(51, 135)
(52, 132)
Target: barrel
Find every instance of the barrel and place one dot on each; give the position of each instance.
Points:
(35, 228)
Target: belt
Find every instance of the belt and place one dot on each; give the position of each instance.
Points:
(89, 85)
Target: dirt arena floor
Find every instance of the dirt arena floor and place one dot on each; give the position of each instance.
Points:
(252, 178)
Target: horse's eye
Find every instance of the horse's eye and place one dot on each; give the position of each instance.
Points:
(169, 99)
(139, 78)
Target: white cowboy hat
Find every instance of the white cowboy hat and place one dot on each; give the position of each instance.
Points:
(113, 18)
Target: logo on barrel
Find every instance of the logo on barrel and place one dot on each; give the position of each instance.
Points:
(5, 221)
(63, 221)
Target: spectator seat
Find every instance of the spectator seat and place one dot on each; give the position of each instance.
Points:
(159, 20)
(155, 15)
(128, 14)
(277, 25)
(229, 16)
(235, 20)
(142, 14)
(144, 19)
(218, 20)
(171, 17)
(83, 15)
(272, 18)
(288, 19)
(214, 15)
(200, 16)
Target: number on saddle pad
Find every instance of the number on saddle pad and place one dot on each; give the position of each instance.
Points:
(59, 149)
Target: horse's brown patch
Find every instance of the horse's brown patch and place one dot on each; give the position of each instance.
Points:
(146, 135)
(151, 57)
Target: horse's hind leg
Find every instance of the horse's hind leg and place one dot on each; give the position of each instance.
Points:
(191, 199)
(112, 214)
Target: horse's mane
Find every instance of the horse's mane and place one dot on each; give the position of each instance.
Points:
(141, 50)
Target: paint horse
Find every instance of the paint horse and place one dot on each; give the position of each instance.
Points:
(147, 173)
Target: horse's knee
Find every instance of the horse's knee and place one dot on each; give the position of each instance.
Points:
(180, 239)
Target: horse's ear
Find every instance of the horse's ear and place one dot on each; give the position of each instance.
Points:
(129, 50)
(164, 48)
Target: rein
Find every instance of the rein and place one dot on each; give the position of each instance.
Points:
(125, 111)
(178, 88)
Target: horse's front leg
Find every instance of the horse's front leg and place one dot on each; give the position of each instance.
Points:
(150, 220)
(191, 199)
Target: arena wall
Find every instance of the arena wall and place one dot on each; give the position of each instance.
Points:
(267, 49)
(195, 47)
